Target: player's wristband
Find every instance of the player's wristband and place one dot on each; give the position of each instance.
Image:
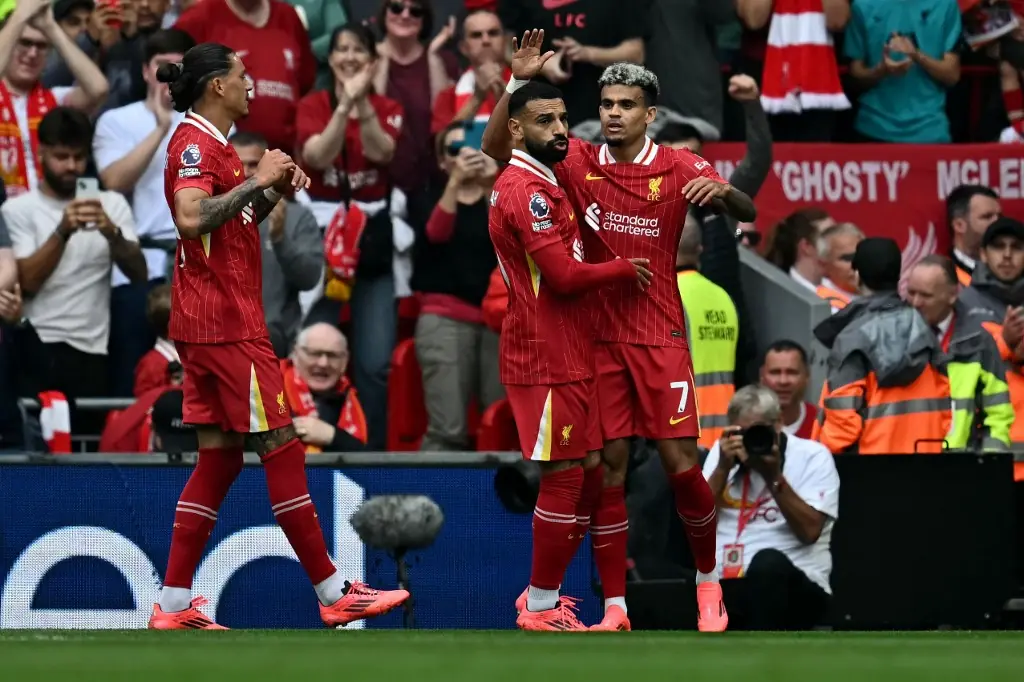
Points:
(514, 84)
(272, 195)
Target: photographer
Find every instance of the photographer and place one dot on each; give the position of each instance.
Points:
(777, 497)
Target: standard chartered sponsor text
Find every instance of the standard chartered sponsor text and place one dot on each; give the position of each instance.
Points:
(635, 226)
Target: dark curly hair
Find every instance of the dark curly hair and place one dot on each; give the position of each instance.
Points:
(187, 81)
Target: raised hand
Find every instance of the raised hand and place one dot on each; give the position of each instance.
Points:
(527, 60)
(292, 181)
(357, 87)
(743, 88)
(273, 166)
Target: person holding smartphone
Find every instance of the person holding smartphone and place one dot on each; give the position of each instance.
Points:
(67, 235)
(452, 264)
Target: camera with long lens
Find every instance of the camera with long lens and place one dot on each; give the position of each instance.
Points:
(759, 440)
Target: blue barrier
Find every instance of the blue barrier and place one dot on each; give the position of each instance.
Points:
(84, 546)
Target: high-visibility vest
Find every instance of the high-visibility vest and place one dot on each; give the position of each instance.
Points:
(1014, 380)
(894, 420)
(712, 327)
(837, 299)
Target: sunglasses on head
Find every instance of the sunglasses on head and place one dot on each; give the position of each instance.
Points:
(415, 11)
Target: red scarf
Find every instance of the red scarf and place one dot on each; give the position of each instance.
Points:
(466, 86)
(341, 250)
(800, 69)
(55, 422)
(351, 420)
(12, 149)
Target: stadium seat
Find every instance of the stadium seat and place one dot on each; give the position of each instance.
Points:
(497, 431)
(407, 416)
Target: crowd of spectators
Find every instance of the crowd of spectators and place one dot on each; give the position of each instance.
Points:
(383, 103)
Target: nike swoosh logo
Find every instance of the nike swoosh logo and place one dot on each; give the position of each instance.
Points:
(572, 215)
(675, 420)
(602, 546)
(237, 173)
(594, 177)
(555, 4)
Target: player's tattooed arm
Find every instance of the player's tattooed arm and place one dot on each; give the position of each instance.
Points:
(262, 207)
(737, 204)
(217, 210)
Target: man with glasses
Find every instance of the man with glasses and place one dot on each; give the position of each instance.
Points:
(25, 41)
(324, 406)
(836, 248)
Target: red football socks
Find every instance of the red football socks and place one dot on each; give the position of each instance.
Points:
(285, 469)
(590, 498)
(608, 535)
(196, 512)
(554, 526)
(696, 507)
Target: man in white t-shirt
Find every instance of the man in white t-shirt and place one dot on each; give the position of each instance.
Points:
(26, 39)
(65, 248)
(129, 149)
(775, 516)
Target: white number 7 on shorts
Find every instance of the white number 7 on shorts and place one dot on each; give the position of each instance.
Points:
(685, 386)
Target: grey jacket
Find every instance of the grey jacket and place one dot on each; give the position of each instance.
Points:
(290, 265)
(882, 334)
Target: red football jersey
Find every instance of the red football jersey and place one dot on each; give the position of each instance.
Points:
(634, 210)
(545, 338)
(217, 294)
(277, 57)
(369, 182)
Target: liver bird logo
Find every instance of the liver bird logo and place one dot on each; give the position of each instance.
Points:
(566, 432)
(654, 188)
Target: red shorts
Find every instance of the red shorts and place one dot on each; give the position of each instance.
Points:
(235, 386)
(556, 422)
(645, 391)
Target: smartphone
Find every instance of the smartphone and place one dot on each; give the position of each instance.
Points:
(87, 188)
(115, 24)
(474, 134)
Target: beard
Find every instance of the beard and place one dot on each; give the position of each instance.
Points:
(62, 185)
(547, 153)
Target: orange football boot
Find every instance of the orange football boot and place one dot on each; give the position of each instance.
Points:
(521, 601)
(562, 618)
(614, 620)
(189, 619)
(711, 615)
(360, 601)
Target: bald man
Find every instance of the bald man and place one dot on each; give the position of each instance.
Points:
(324, 405)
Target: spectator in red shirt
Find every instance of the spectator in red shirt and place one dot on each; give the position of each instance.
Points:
(269, 38)
(414, 73)
(785, 370)
(347, 136)
(475, 93)
(160, 367)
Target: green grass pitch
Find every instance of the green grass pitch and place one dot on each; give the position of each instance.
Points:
(453, 656)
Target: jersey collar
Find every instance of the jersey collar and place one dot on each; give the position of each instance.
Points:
(645, 157)
(527, 162)
(192, 118)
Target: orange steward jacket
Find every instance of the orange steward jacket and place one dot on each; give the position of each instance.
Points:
(886, 390)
